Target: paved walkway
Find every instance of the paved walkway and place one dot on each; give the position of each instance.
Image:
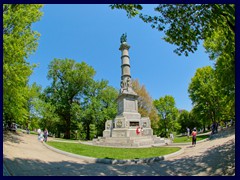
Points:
(23, 155)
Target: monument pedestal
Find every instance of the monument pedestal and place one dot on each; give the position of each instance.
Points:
(135, 141)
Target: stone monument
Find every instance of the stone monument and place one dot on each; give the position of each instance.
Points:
(123, 130)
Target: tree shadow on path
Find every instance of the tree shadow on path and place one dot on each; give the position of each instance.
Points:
(14, 137)
(218, 160)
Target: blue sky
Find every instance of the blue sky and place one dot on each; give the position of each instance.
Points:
(91, 33)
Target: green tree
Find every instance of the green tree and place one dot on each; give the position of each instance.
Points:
(221, 47)
(69, 80)
(131, 9)
(190, 120)
(167, 113)
(19, 41)
(44, 115)
(82, 105)
(195, 121)
(186, 24)
(209, 103)
(98, 106)
(184, 121)
(200, 119)
(108, 108)
(32, 94)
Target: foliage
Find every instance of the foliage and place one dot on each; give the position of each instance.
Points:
(98, 106)
(202, 92)
(167, 113)
(210, 104)
(221, 47)
(145, 104)
(33, 92)
(195, 121)
(19, 41)
(45, 113)
(184, 121)
(186, 24)
(112, 153)
(188, 120)
(76, 104)
(69, 80)
(131, 9)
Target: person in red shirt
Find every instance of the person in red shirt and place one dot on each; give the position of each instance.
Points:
(194, 137)
(138, 130)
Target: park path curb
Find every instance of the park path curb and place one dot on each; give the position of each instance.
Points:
(188, 143)
(115, 161)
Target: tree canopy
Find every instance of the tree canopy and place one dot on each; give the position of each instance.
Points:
(208, 101)
(186, 24)
(19, 41)
(69, 80)
(75, 101)
(167, 113)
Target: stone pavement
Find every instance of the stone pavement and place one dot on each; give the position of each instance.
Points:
(23, 155)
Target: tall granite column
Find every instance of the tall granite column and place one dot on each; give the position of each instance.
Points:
(126, 82)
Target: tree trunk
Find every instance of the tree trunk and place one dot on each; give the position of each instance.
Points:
(58, 134)
(165, 126)
(67, 132)
(88, 132)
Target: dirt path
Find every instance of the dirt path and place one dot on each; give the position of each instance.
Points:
(24, 155)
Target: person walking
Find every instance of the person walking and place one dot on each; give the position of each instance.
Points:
(45, 134)
(41, 137)
(213, 128)
(171, 136)
(39, 133)
(194, 137)
(188, 132)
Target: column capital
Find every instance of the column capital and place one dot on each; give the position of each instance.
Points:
(123, 46)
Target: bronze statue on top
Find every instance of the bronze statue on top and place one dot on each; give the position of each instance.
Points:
(123, 38)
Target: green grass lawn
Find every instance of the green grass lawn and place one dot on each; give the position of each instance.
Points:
(24, 131)
(62, 139)
(185, 139)
(112, 153)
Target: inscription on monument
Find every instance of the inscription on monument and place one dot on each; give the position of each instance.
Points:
(134, 123)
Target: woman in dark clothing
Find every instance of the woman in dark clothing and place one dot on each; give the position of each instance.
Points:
(45, 135)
